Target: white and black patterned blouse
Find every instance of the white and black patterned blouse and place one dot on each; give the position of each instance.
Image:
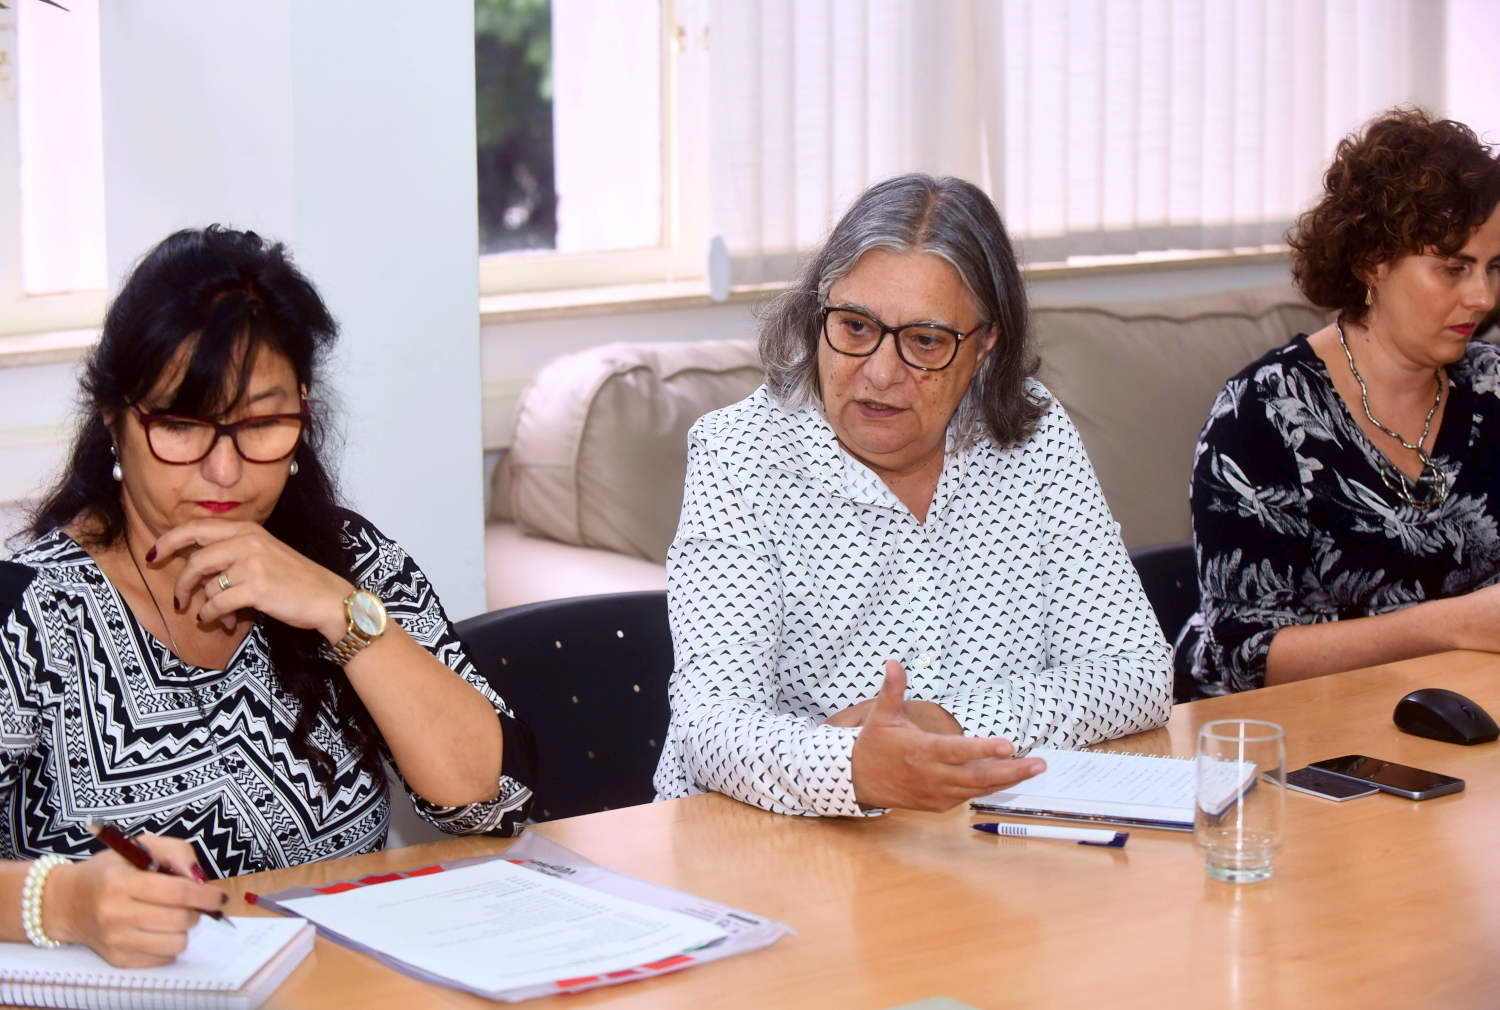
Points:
(796, 573)
(99, 719)
(1294, 525)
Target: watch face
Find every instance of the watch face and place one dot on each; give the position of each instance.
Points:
(367, 613)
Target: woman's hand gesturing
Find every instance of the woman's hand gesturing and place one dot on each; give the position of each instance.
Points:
(240, 566)
(898, 763)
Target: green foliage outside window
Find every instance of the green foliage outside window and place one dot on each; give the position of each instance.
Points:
(513, 106)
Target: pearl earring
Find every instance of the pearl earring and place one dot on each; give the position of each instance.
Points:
(291, 471)
(115, 471)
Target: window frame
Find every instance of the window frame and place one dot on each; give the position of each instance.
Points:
(21, 313)
(680, 255)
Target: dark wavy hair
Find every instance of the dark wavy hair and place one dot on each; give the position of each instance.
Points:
(227, 295)
(1407, 184)
(952, 219)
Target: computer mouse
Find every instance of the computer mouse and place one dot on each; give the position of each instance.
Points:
(1440, 714)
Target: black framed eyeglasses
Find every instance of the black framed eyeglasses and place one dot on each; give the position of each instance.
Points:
(182, 440)
(928, 347)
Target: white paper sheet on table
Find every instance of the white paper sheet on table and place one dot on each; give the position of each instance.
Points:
(539, 920)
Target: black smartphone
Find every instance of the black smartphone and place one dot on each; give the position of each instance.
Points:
(1316, 782)
(1389, 777)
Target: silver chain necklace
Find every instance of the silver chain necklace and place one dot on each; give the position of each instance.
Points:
(1393, 477)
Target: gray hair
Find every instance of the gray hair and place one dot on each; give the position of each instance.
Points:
(952, 219)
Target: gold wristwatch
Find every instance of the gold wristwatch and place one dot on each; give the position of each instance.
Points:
(366, 621)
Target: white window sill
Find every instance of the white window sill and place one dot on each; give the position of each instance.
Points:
(526, 306)
(56, 347)
(600, 301)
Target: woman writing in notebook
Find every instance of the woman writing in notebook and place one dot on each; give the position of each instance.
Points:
(201, 645)
(1346, 495)
(894, 568)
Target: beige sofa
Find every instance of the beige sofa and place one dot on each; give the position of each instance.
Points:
(587, 499)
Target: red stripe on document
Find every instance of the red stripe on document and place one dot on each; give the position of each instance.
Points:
(379, 878)
(338, 888)
(567, 983)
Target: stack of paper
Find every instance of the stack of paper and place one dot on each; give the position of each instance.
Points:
(536, 921)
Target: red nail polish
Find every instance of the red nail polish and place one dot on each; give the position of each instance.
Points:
(198, 876)
(151, 555)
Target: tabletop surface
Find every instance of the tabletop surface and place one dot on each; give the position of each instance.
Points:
(1378, 901)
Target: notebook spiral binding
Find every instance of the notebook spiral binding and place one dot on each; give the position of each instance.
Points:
(118, 980)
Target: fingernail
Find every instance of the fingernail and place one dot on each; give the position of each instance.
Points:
(151, 555)
(223, 899)
(198, 876)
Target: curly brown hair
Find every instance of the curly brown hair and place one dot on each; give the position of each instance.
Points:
(1408, 184)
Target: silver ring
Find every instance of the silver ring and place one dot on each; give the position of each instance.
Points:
(223, 581)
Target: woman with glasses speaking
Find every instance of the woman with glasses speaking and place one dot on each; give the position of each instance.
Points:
(894, 570)
(199, 643)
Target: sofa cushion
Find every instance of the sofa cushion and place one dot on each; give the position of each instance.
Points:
(523, 568)
(599, 449)
(1138, 380)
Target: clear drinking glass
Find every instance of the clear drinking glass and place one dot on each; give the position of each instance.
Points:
(1240, 811)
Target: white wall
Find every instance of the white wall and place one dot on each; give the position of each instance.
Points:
(346, 131)
(36, 403)
(1471, 85)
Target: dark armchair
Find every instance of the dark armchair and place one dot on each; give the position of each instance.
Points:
(589, 676)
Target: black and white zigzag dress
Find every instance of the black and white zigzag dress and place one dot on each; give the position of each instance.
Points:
(796, 573)
(99, 719)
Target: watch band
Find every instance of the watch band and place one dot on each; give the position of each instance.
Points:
(348, 647)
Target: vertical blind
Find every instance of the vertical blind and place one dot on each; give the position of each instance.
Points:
(1098, 126)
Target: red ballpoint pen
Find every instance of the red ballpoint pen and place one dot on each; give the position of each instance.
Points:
(137, 856)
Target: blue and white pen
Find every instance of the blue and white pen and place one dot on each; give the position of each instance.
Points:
(1083, 836)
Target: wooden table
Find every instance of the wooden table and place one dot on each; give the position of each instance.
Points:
(1375, 902)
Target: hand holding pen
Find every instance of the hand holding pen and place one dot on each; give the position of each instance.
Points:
(142, 859)
(130, 918)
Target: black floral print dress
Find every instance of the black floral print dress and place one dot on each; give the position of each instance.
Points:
(1294, 524)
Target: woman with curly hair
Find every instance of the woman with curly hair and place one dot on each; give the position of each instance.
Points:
(1346, 493)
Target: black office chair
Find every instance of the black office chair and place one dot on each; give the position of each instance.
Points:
(1169, 574)
(589, 676)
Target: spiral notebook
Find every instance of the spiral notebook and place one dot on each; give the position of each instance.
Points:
(221, 968)
(1141, 790)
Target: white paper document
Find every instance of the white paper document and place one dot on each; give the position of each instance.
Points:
(494, 926)
(1135, 789)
